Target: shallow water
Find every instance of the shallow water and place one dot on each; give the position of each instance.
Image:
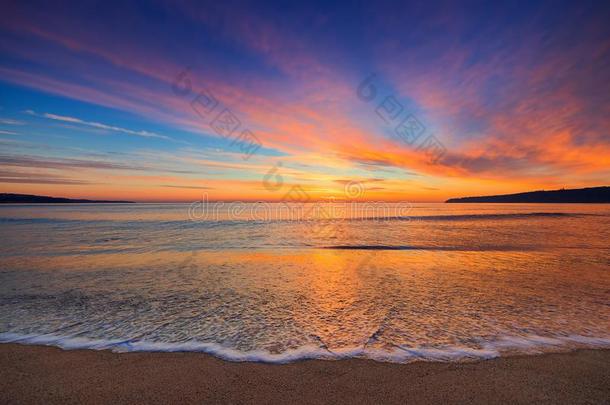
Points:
(257, 282)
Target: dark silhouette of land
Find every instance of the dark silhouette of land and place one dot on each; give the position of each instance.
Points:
(40, 199)
(597, 195)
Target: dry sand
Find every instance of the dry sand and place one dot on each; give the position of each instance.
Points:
(34, 374)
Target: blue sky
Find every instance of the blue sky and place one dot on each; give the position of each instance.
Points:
(512, 96)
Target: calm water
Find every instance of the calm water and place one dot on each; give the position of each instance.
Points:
(430, 281)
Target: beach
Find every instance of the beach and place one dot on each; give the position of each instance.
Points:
(456, 303)
(38, 374)
(328, 203)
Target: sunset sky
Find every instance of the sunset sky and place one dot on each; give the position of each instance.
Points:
(95, 99)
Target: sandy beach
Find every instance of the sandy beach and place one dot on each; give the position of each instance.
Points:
(36, 374)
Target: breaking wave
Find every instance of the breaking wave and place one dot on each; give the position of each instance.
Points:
(501, 346)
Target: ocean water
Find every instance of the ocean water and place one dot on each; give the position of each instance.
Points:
(438, 282)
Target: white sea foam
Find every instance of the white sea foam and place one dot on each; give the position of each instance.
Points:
(505, 345)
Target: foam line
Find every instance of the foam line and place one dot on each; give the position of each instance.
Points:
(529, 344)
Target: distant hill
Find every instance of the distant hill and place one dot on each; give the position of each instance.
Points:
(580, 195)
(39, 199)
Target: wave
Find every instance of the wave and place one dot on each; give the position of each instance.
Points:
(501, 346)
(39, 220)
(261, 219)
(469, 217)
(433, 248)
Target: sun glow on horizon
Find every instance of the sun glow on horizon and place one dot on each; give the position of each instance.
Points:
(268, 106)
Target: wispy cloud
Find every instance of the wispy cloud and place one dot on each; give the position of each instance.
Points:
(7, 132)
(17, 177)
(63, 163)
(187, 187)
(73, 120)
(367, 180)
(8, 121)
(31, 180)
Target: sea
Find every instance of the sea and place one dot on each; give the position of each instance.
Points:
(279, 282)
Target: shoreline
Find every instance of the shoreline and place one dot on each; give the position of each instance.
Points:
(36, 374)
(507, 346)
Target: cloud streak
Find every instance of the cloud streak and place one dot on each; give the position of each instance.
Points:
(73, 120)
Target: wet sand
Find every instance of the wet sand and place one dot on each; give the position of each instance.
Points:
(36, 374)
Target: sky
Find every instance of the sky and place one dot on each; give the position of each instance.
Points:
(408, 101)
